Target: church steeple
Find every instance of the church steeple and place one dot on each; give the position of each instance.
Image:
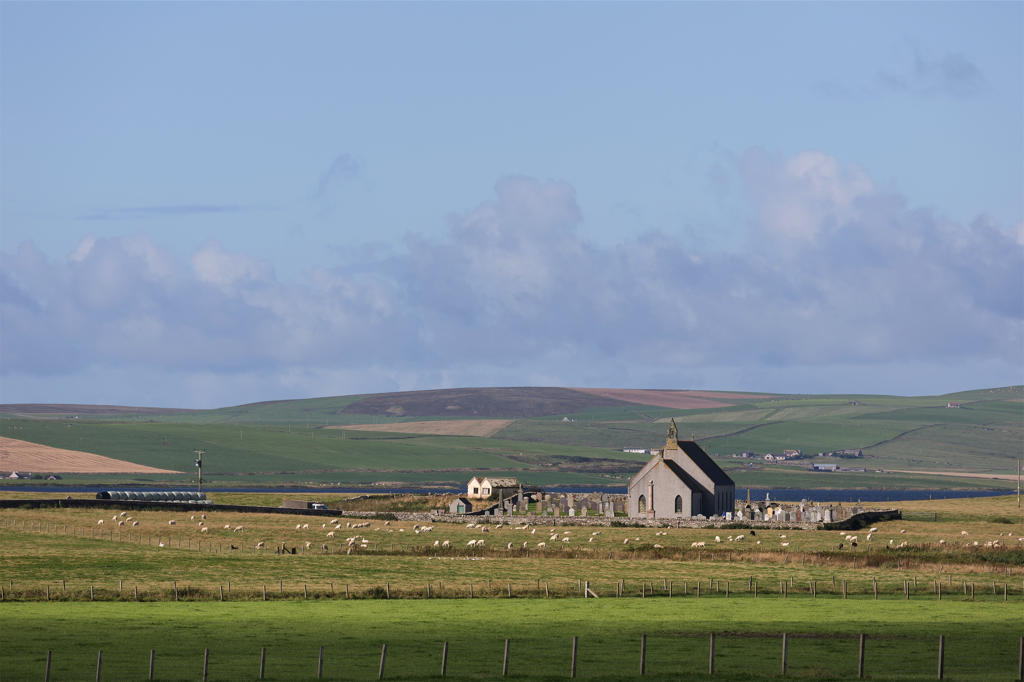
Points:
(671, 440)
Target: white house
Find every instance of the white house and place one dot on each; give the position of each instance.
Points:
(484, 486)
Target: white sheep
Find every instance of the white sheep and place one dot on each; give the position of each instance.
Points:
(204, 517)
(785, 544)
(554, 536)
(437, 543)
(238, 529)
(100, 522)
(193, 518)
(533, 532)
(694, 545)
(566, 539)
(942, 542)
(259, 545)
(509, 546)
(869, 537)
(479, 543)
(626, 541)
(204, 530)
(120, 523)
(590, 540)
(305, 526)
(542, 545)
(123, 514)
(308, 544)
(740, 537)
(903, 531)
(330, 534)
(596, 532)
(135, 523)
(446, 543)
(201, 524)
(784, 537)
(963, 532)
(471, 543)
(227, 526)
(335, 522)
(873, 530)
(171, 522)
(299, 525)
(128, 519)
(469, 525)
(718, 539)
(658, 547)
(853, 538)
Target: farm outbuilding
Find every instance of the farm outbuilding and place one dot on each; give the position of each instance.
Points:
(460, 505)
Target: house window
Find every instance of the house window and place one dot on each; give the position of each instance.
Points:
(679, 504)
(487, 491)
(476, 491)
(641, 505)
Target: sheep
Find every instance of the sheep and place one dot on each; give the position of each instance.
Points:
(193, 518)
(626, 541)
(718, 539)
(566, 539)
(305, 526)
(638, 539)
(446, 544)
(873, 530)
(853, 544)
(785, 544)
(485, 529)
(469, 525)
(869, 537)
(695, 545)
(740, 537)
(437, 543)
(123, 514)
(840, 545)
(542, 545)
(479, 543)
(853, 538)
(204, 530)
(113, 518)
(903, 531)
(509, 546)
(238, 529)
(331, 534)
(100, 522)
(130, 518)
(201, 524)
(299, 526)
(525, 545)
(658, 547)
(533, 532)
(171, 522)
(596, 532)
(416, 526)
(499, 526)
(259, 545)
(120, 523)
(227, 526)
(942, 542)
(387, 523)
(334, 522)
(784, 537)
(963, 532)
(309, 544)
(204, 517)
(590, 540)
(554, 536)
(729, 538)
(135, 523)
(471, 543)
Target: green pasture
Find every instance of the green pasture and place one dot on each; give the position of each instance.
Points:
(902, 639)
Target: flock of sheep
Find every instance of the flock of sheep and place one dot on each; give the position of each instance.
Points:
(563, 535)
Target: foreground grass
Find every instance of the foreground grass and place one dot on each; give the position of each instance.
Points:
(902, 638)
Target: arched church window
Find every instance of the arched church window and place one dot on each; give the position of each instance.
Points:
(679, 504)
(641, 505)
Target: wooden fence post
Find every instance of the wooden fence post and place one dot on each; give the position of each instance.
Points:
(222, 593)
(206, 664)
(264, 593)
(320, 665)
(92, 594)
(1020, 661)
(387, 590)
(572, 669)
(175, 590)
(152, 661)
(444, 659)
(711, 656)
(643, 654)
(99, 665)
(942, 652)
(860, 657)
(263, 657)
(46, 676)
(785, 650)
(504, 665)
(383, 657)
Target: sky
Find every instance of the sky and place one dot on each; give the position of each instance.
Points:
(208, 204)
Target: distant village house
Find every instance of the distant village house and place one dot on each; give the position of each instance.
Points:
(480, 488)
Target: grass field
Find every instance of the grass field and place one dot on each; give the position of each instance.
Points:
(340, 601)
(902, 639)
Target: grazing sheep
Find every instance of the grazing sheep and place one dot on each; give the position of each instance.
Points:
(963, 532)
(853, 538)
(509, 546)
(740, 537)
(308, 544)
(171, 522)
(100, 522)
(785, 544)
(873, 530)
(161, 544)
(596, 532)
(753, 533)
(542, 545)
(903, 531)
(204, 517)
(869, 537)
(238, 529)
(299, 525)
(135, 523)
(590, 540)
(446, 543)
(566, 539)
(525, 545)
(123, 514)
(729, 538)
(193, 518)
(840, 545)
(469, 525)
(554, 536)
(204, 530)
(718, 539)
(479, 543)
(759, 542)
(784, 537)
(128, 519)
(120, 523)
(113, 518)
(227, 526)
(201, 524)
(437, 543)
(942, 542)
(695, 545)
(853, 544)
(334, 522)
(533, 532)
(259, 545)
(331, 534)
(658, 547)
(471, 543)
(901, 545)
(626, 541)
(305, 526)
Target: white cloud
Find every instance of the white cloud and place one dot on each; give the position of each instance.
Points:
(841, 275)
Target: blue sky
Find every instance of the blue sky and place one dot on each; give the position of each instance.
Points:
(213, 203)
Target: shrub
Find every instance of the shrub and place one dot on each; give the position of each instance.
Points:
(1001, 519)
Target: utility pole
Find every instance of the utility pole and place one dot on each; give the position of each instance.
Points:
(199, 463)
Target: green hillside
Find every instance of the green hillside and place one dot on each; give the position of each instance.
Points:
(283, 441)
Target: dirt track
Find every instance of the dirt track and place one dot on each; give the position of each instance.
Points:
(998, 477)
(18, 455)
(483, 428)
(680, 400)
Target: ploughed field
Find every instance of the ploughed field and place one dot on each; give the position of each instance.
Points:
(75, 587)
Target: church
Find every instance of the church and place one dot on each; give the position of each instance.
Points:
(680, 481)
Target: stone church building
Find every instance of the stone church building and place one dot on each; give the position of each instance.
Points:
(680, 481)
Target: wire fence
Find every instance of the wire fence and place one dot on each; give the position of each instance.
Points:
(728, 656)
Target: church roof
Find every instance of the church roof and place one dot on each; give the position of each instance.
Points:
(706, 464)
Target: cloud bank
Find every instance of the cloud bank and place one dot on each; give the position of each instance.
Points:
(838, 275)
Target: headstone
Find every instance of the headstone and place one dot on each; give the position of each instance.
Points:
(572, 512)
(584, 511)
(609, 513)
(728, 516)
(558, 511)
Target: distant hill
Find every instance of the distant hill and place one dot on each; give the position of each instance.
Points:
(71, 410)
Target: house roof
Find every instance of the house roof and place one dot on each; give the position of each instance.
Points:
(503, 482)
